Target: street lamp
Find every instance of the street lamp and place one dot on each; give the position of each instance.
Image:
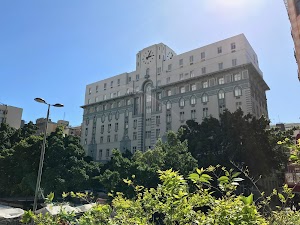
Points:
(39, 178)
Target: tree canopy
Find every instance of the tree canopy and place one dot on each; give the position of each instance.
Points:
(243, 139)
(65, 166)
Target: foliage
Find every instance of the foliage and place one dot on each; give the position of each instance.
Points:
(142, 167)
(244, 139)
(65, 166)
(172, 202)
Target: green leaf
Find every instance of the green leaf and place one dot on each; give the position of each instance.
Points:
(248, 200)
(223, 179)
(236, 174)
(194, 176)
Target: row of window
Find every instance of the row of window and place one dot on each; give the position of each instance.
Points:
(203, 69)
(205, 84)
(204, 99)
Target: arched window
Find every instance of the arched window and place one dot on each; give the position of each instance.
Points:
(169, 105)
(221, 94)
(109, 117)
(181, 102)
(204, 98)
(237, 91)
(193, 100)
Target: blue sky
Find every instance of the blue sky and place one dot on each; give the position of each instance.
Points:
(53, 49)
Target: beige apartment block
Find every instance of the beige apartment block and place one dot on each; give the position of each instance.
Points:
(130, 111)
(11, 115)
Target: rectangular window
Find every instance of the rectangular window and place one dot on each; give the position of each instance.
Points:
(116, 137)
(237, 77)
(101, 139)
(157, 120)
(234, 62)
(191, 59)
(102, 129)
(100, 154)
(169, 118)
(107, 152)
(158, 83)
(108, 138)
(181, 116)
(134, 124)
(192, 74)
(193, 87)
(169, 92)
(182, 90)
(158, 70)
(111, 84)
(148, 109)
(181, 62)
(205, 112)
(238, 105)
(205, 84)
(97, 89)
(221, 109)
(221, 80)
(220, 66)
(193, 114)
(116, 126)
(202, 55)
(168, 79)
(118, 82)
(111, 95)
(89, 101)
(148, 122)
(219, 50)
(133, 149)
(181, 76)
(134, 136)
(109, 128)
(212, 82)
(104, 97)
(203, 70)
(228, 78)
(104, 86)
(137, 77)
(169, 67)
(157, 133)
(148, 134)
(233, 46)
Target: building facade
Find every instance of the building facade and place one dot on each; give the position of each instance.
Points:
(293, 9)
(132, 110)
(11, 115)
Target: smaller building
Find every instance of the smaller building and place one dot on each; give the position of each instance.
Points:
(68, 130)
(11, 115)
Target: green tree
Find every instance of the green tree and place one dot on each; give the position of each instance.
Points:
(65, 166)
(243, 139)
(143, 166)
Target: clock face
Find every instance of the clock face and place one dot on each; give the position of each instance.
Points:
(170, 55)
(148, 56)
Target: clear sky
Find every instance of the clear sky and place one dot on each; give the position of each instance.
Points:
(53, 49)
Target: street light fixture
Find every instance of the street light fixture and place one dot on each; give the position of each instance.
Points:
(39, 178)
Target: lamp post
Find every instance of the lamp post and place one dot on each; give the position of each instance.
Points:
(39, 177)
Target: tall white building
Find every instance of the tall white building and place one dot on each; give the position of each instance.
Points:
(131, 110)
(11, 115)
